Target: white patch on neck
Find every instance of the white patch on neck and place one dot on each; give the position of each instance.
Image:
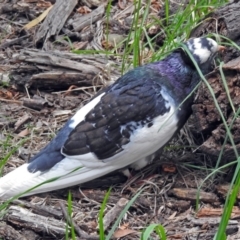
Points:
(203, 52)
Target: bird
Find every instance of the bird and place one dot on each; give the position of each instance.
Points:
(124, 126)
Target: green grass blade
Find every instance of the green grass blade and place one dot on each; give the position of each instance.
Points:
(101, 213)
(159, 229)
(130, 203)
(5, 159)
(236, 115)
(70, 211)
(226, 87)
(229, 203)
(167, 11)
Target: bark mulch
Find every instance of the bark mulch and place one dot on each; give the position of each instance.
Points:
(44, 82)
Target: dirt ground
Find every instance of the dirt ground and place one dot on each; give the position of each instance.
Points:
(43, 83)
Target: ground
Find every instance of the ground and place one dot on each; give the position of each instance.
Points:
(43, 83)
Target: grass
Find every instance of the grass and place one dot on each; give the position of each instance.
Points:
(157, 228)
(101, 214)
(175, 29)
(8, 147)
(70, 211)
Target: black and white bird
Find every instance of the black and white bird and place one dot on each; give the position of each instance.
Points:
(123, 126)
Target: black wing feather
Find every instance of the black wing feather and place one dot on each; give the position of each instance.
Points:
(135, 97)
(133, 101)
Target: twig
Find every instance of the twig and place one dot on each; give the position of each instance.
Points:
(13, 41)
(27, 92)
(21, 121)
(36, 104)
(114, 212)
(9, 100)
(43, 210)
(10, 21)
(70, 221)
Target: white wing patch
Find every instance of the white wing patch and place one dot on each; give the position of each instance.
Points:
(81, 113)
(143, 141)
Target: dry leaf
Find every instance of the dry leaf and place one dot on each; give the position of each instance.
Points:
(217, 212)
(37, 20)
(44, 4)
(21, 121)
(24, 133)
(169, 168)
(84, 10)
(106, 45)
(124, 226)
(61, 112)
(92, 224)
(172, 216)
(122, 4)
(5, 94)
(80, 45)
(123, 232)
(155, 5)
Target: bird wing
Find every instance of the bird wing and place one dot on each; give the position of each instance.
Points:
(103, 128)
(121, 111)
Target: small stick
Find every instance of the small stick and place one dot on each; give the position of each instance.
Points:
(10, 100)
(13, 41)
(36, 104)
(70, 221)
(43, 210)
(114, 212)
(12, 22)
(21, 121)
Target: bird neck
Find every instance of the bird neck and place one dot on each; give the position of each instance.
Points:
(181, 75)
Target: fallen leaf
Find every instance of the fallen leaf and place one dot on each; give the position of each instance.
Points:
(84, 10)
(217, 212)
(70, 89)
(80, 45)
(169, 168)
(61, 112)
(122, 4)
(37, 20)
(155, 5)
(123, 232)
(22, 120)
(124, 226)
(44, 4)
(172, 216)
(6, 94)
(24, 133)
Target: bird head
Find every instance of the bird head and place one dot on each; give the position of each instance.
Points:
(203, 49)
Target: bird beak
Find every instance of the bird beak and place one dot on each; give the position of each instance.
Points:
(221, 48)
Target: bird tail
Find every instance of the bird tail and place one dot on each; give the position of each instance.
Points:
(20, 181)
